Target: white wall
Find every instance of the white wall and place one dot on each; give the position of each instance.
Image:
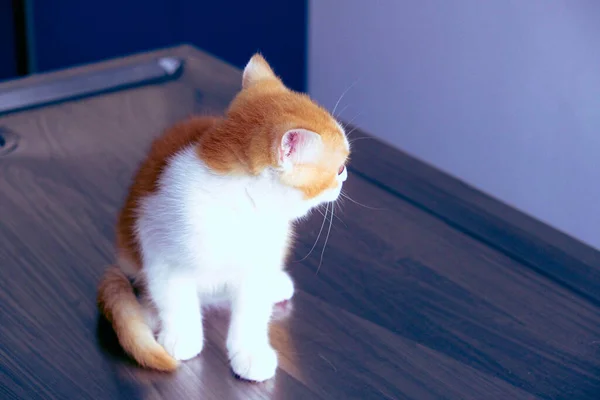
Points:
(504, 94)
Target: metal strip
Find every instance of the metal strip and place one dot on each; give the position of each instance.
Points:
(89, 83)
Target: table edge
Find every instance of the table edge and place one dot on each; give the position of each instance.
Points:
(524, 238)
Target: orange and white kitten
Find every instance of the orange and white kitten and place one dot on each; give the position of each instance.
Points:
(210, 213)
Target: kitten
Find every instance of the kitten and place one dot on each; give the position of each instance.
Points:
(211, 212)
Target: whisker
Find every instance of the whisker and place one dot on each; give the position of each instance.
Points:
(342, 95)
(352, 130)
(324, 215)
(326, 239)
(352, 120)
(361, 138)
(320, 212)
(344, 195)
(338, 218)
(340, 207)
(343, 109)
(318, 235)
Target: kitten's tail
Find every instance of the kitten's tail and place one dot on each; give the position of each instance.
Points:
(118, 303)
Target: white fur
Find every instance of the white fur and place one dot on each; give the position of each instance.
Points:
(204, 235)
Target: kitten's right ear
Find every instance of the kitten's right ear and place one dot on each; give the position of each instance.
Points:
(299, 146)
(257, 69)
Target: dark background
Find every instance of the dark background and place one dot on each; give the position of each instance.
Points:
(72, 32)
(8, 66)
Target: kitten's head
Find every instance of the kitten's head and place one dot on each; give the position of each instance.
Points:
(291, 135)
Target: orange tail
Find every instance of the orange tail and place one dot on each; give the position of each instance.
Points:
(119, 305)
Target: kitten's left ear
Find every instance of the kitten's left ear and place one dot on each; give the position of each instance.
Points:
(257, 69)
(299, 146)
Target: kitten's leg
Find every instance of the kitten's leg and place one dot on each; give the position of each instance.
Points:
(281, 286)
(176, 300)
(250, 353)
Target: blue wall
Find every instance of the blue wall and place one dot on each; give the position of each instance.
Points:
(70, 32)
(8, 65)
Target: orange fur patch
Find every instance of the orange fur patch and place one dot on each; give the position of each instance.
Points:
(247, 140)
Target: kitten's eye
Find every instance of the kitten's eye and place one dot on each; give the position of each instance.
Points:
(341, 169)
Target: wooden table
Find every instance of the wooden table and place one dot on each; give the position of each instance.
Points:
(431, 290)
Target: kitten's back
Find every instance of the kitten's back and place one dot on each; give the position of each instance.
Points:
(175, 139)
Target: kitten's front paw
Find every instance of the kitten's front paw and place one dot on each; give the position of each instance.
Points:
(182, 344)
(282, 287)
(256, 364)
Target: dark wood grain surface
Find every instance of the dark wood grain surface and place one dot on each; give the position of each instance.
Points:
(428, 290)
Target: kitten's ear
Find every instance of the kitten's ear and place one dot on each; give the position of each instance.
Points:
(299, 146)
(256, 70)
